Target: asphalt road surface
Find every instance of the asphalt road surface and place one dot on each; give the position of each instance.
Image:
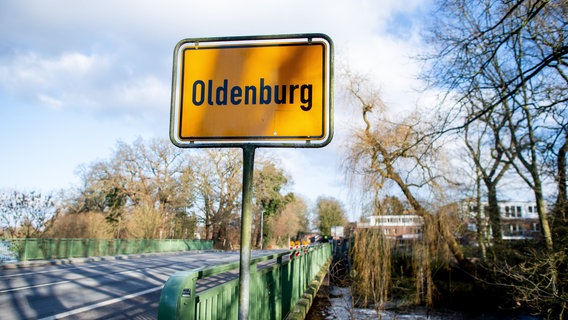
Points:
(120, 288)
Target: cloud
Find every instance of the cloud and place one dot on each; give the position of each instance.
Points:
(89, 82)
(63, 78)
(50, 101)
(148, 90)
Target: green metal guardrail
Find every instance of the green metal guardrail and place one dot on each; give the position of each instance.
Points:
(274, 288)
(46, 249)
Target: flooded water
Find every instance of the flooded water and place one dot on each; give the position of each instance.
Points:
(335, 303)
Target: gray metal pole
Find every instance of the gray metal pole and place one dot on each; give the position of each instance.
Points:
(261, 228)
(246, 227)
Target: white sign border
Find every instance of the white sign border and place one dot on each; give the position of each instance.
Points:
(256, 40)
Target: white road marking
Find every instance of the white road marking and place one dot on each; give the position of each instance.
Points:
(67, 281)
(34, 273)
(36, 286)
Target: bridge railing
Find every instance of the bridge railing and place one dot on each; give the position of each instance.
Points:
(64, 248)
(277, 282)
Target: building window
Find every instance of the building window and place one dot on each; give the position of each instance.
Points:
(507, 213)
(519, 211)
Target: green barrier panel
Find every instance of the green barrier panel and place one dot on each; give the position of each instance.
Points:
(276, 286)
(47, 249)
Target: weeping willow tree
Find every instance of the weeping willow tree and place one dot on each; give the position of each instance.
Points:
(396, 152)
(379, 262)
(371, 256)
(399, 154)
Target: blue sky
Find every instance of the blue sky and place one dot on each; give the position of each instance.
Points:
(76, 76)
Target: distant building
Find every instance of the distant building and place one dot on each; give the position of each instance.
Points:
(337, 232)
(400, 227)
(519, 219)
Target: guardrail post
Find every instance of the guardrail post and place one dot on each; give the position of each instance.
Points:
(179, 299)
(26, 249)
(255, 293)
(49, 249)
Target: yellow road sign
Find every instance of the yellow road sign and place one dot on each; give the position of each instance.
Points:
(266, 91)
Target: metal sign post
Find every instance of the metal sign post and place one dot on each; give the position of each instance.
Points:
(246, 226)
(249, 92)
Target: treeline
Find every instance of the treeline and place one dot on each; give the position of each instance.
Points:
(154, 190)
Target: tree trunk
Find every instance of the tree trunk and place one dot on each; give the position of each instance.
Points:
(541, 209)
(479, 221)
(560, 206)
(493, 211)
(533, 167)
(451, 241)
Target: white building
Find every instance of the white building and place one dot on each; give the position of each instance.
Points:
(519, 219)
(403, 227)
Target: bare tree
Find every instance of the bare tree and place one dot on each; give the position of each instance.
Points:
(470, 36)
(509, 57)
(217, 182)
(398, 152)
(151, 174)
(25, 214)
(483, 140)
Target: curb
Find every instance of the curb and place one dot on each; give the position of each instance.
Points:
(56, 262)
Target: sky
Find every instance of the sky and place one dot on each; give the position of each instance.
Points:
(76, 77)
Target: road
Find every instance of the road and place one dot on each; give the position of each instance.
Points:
(122, 288)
